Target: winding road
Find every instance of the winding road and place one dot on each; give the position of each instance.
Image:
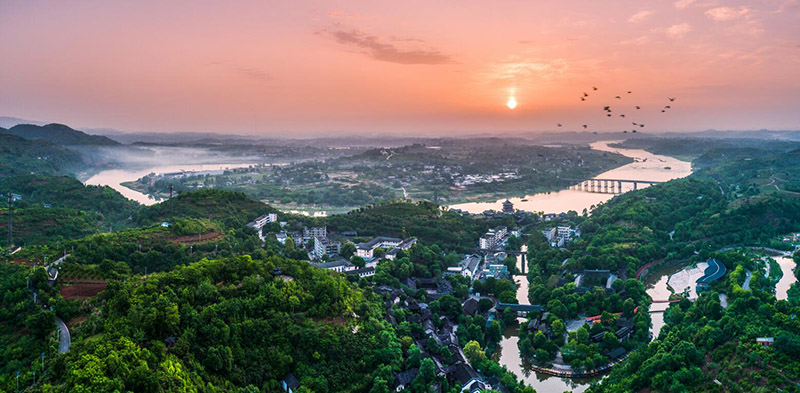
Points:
(64, 338)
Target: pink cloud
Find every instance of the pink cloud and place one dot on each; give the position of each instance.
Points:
(722, 14)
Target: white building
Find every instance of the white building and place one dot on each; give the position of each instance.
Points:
(310, 233)
(467, 267)
(404, 246)
(281, 237)
(339, 265)
(259, 223)
(493, 238)
(323, 246)
(366, 250)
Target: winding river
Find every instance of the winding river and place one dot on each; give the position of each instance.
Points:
(647, 166)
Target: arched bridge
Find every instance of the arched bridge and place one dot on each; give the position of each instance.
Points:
(607, 186)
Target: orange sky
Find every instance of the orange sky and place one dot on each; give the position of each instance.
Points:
(338, 67)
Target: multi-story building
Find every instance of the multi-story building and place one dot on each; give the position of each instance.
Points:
(493, 238)
(310, 233)
(323, 246)
(259, 223)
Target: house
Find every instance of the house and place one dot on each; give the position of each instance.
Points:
(468, 267)
(323, 246)
(289, 383)
(616, 353)
(281, 237)
(470, 306)
(310, 233)
(362, 272)
(366, 250)
(765, 341)
(467, 377)
(403, 246)
(339, 265)
(404, 379)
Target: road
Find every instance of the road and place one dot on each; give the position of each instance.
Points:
(748, 276)
(64, 338)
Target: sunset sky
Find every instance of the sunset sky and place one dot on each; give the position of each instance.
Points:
(292, 68)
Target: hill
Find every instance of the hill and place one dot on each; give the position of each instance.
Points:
(23, 156)
(424, 220)
(55, 208)
(233, 209)
(60, 134)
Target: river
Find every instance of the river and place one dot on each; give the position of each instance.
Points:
(115, 177)
(787, 265)
(648, 166)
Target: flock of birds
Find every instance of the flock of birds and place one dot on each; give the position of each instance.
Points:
(610, 113)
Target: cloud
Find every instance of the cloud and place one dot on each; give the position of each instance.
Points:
(681, 4)
(522, 69)
(722, 14)
(678, 31)
(640, 16)
(379, 49)
(254, 73)
(641, 40)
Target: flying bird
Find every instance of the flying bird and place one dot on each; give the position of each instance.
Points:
(585, 94)
(622, 115)
(618, 97)
(608, 115)
(584, 126)
(583, 99)
(641, 125)
(629, 92)
(634, 131)
(638, 107)
(634, 123)
(663, 110)
(625, 132)
(671, 98)
(559, 124)
(594, 88)
(667, 107)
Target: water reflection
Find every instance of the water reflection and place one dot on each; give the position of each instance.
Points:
(648, 166)
(115, 177)
(787, 266)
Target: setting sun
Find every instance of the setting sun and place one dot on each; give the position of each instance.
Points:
(512, 103)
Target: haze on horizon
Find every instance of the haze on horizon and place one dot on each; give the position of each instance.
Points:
(416, 67)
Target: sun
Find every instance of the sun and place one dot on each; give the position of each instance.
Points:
(512, 103)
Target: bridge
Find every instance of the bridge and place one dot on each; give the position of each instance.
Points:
(607, 186)
(521, 309)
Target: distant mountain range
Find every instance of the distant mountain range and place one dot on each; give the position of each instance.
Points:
(8, 122)
(59, 134)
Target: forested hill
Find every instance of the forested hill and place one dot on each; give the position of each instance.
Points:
(22, 156)
(423, 220)
(234, 209)
(60, 134)
(232, 325)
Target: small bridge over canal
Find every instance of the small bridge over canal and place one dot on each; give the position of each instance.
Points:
(522, 310)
